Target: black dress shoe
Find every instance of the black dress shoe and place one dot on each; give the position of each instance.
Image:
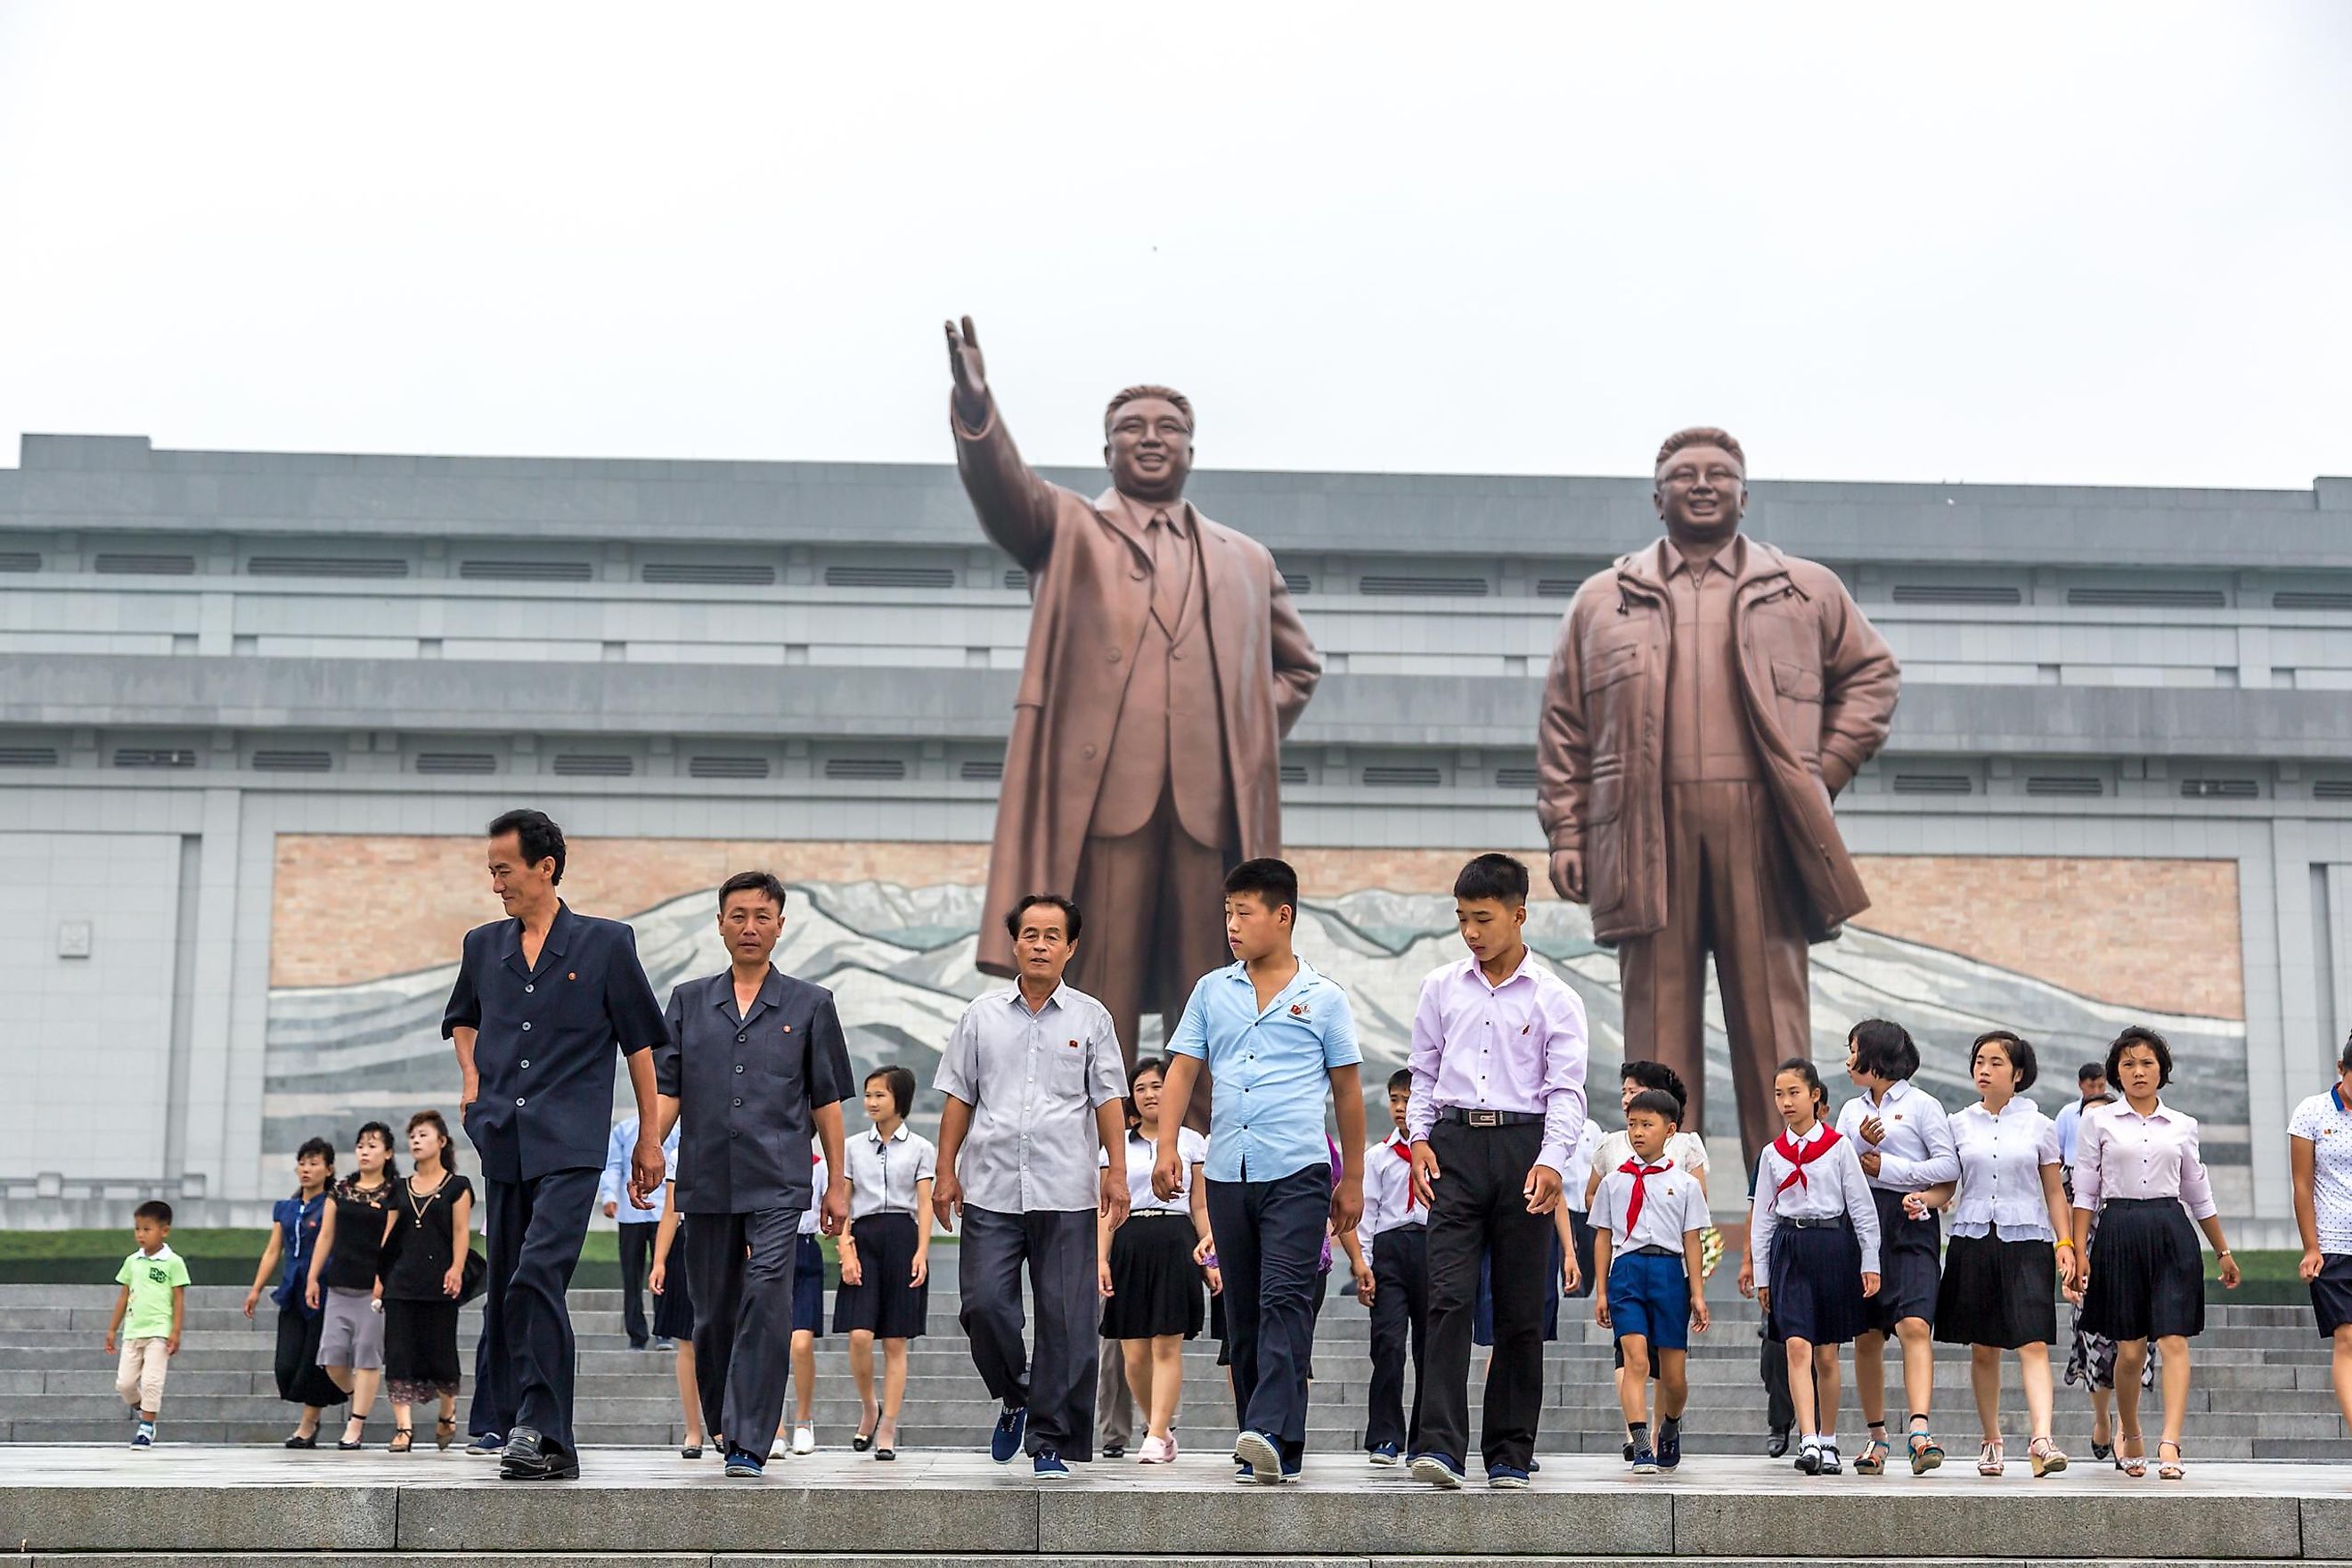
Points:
(300, 1441)
(1114, 1450)
(530, 1457)
(1776, 1446)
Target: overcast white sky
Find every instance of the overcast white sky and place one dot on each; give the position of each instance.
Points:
(2033, 242)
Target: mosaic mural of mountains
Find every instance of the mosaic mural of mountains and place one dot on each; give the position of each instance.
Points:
(899, 959)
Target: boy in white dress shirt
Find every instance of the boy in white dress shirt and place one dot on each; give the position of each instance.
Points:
(1399, 1293)
(1650, 1217)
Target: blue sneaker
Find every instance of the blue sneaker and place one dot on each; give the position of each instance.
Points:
(1645, 1463)
(1506, 1478)
(1263, 1457)
(744, 1465)
(1438, 1472)
(1290, 1468)
(1005, 1441)
(1049, 1467)
(1384, 1454)
(144, 1437)
(487, 1445)
(1670, 1445)
(1244, 1475)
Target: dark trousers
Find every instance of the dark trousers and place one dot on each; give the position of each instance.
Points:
(1400, 1320)
(492, 1411)
(636, 1258)
(536, 1228)
(1779, 1409)
(1058, 1387)
(739, 1269)
(1269, 1238)
(1480, 1209)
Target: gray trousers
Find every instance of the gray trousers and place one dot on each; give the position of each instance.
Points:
(1058, 1385)
(739, 1269)
(1113, 1405)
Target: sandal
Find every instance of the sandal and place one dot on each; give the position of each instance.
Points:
(402, 1439)
(2048, 1457)
(2133, 1465)
(1927, 1454)
(1989, 1461)
(2169, 1469)
(1872, 1461)
(444, 1431)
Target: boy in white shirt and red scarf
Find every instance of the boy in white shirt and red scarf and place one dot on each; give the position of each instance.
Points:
(1651, 1216)
(1395, 1236)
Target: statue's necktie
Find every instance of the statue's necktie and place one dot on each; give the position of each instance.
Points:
(1168, 572)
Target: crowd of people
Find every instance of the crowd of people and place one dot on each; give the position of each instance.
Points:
(1493, 1198)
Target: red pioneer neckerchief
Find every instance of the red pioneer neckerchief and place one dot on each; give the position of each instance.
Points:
(1799, 1155)
(1404, 1151)
(1639, 1171)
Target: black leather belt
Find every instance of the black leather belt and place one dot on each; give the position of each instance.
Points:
(1469, 1118)
(1834, 1222)
(1654, 1252)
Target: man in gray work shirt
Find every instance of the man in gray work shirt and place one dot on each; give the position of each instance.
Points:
(1034, 1081)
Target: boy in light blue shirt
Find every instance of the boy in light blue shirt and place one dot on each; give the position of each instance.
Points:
(1274, 1036)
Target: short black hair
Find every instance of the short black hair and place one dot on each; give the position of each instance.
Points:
(391, 1165)
(2090, 1070)
(1654, 1076)
(763, 883)
(2343, 1061)
(1496, 876)
(155, 1209)
(319, 1146)
(1273, 881)
(1070, 918)
(1401, 1080)
(2139, 1034)
(1143, 1065)
(1812, 1077)
(900, 1081)
(536, 833)
(2016, 1047)
(1657, 1103)
(1882, 1048)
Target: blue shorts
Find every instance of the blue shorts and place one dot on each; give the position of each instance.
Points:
(1650, 1296)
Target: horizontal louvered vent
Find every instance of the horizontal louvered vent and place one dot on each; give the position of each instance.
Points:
(1933, 783)
(2148, 598)
(456, 763)
(2331, 789)
(710, 574)
(593, 765)
(324, 566)
(978, 772)
(1957, 593)
(1294, 772)
(1390, 585)
(28, 756)
(292, 761)
(1299, 581)
(1558, 587)
(1414, 774)
(19, 560)
(865, 768)
(2064, 783)
(2296, 599)
(127, 564)
(1016, 579)
(727, 767)
(155, 757)
(889, 577)
(1515, 778)
(526, 570)
(2221, 789)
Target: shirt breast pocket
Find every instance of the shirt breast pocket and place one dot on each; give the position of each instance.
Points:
(1063, 1070)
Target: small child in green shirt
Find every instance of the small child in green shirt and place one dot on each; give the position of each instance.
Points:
(147, 1316)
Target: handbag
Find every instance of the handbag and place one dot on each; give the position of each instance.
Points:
(470, 1286)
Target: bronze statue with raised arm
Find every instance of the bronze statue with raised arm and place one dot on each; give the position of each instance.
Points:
(1165, 664)
(1708, 696)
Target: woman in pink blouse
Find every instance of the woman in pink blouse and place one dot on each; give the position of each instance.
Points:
(2137, 1172)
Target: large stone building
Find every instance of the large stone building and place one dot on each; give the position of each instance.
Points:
(255, 710)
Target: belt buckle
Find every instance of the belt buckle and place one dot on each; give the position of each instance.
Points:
(1486, 1119)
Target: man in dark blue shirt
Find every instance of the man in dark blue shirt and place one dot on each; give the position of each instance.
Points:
(754, 1061)
(545, 999)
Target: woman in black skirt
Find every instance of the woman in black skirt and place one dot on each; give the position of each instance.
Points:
(674, 1317)
(2009, 1245)
(293, 1236)
(423, 1264)
(2137, 1174)
(885, 1256)
(1150, 1268)
(1813, 1237)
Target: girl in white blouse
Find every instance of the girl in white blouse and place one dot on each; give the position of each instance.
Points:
(1150, 1266)
(2137, 1172)
(2008, 1244)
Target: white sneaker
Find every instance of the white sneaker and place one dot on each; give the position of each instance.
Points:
(778, 1450)
(803, 1439)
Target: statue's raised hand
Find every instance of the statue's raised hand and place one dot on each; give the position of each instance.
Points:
(971, 374)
